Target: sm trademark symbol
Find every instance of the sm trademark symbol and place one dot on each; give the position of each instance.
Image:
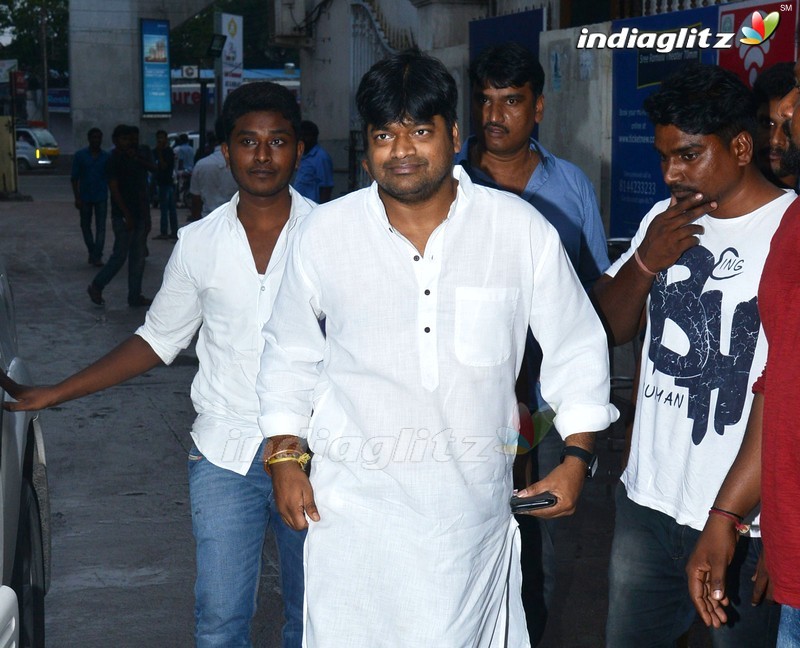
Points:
(787, 7)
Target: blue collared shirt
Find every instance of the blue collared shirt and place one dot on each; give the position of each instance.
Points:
(91, 174)
(566, 198)
(315, 171)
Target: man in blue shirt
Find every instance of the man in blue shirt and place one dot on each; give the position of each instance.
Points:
(507, 103)
(90, 188)
(314, 177)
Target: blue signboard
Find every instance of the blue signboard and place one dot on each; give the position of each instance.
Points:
(636, 180)
(156, 83)
(523, 28)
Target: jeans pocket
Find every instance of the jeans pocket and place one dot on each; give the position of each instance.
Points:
(194, 457)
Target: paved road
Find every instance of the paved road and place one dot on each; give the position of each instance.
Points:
(123, 565)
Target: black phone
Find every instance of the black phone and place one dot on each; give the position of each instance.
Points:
(532, 503)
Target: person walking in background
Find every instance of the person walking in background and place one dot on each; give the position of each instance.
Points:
(184, 153)
(164, 158)
(90, 188)
(314, 177)
(212, 183)
(130, 216)
(507, 102)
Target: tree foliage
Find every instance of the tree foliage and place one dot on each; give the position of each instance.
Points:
(189, 41)
(21, 22)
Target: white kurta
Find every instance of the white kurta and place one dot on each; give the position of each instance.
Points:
(414, 413)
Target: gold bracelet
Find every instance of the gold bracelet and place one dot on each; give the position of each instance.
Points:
(272, 462)
(301, 459)
(293, 451)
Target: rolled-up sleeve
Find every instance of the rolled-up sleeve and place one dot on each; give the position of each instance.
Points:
(575, 365)
(176, 311)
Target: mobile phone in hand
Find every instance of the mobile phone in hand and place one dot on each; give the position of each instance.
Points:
(532, 503)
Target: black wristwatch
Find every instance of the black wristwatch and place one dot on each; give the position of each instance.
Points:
(584, 455)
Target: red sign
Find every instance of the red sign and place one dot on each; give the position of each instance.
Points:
(770, 36)
(19, 83)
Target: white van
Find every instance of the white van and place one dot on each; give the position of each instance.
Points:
(36, 148)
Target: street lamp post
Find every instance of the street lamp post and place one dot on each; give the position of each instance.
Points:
(214, 51)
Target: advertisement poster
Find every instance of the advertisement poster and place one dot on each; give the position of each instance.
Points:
(156, 82)
(774, 43)
(232, 59)
(636, 181)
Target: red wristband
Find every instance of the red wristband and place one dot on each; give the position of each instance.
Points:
(641, 264)
(737, 520)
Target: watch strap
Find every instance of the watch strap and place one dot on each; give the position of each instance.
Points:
(584, 455)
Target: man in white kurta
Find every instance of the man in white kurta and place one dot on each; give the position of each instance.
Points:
(411, 384)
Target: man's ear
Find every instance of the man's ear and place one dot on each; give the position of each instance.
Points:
(742, 148)
(225, 153)
(539, 112)
(456, 138)
(301, 148)
(365, 166)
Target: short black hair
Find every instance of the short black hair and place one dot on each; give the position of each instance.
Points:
(309, 130)
(93, 130)
(407, 84)
(774, 83)
(703, 100)
(507, 65)
(260, 96)
(120, 130)
(161, 131)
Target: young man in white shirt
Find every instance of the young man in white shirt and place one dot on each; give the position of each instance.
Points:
(222, 279)
(691, 277)
(427, 292)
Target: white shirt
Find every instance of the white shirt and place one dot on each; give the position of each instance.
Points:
(211, 283)
(213, 181)
(703, 350)
(415, 417)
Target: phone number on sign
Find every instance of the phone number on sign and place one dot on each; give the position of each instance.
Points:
(640, 187)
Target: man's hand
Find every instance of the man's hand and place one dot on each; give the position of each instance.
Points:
(28, 398)
(565, 482)
(78, 203)
(673, 232)
(706, 569)
(293, 494)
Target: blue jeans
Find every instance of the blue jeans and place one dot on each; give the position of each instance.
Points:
(166, 202)
(789, 630)
(230, 516)
(94, 242)
(649, 602)
(130, 245)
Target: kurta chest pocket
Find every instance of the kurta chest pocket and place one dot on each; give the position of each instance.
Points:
(484, 325)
